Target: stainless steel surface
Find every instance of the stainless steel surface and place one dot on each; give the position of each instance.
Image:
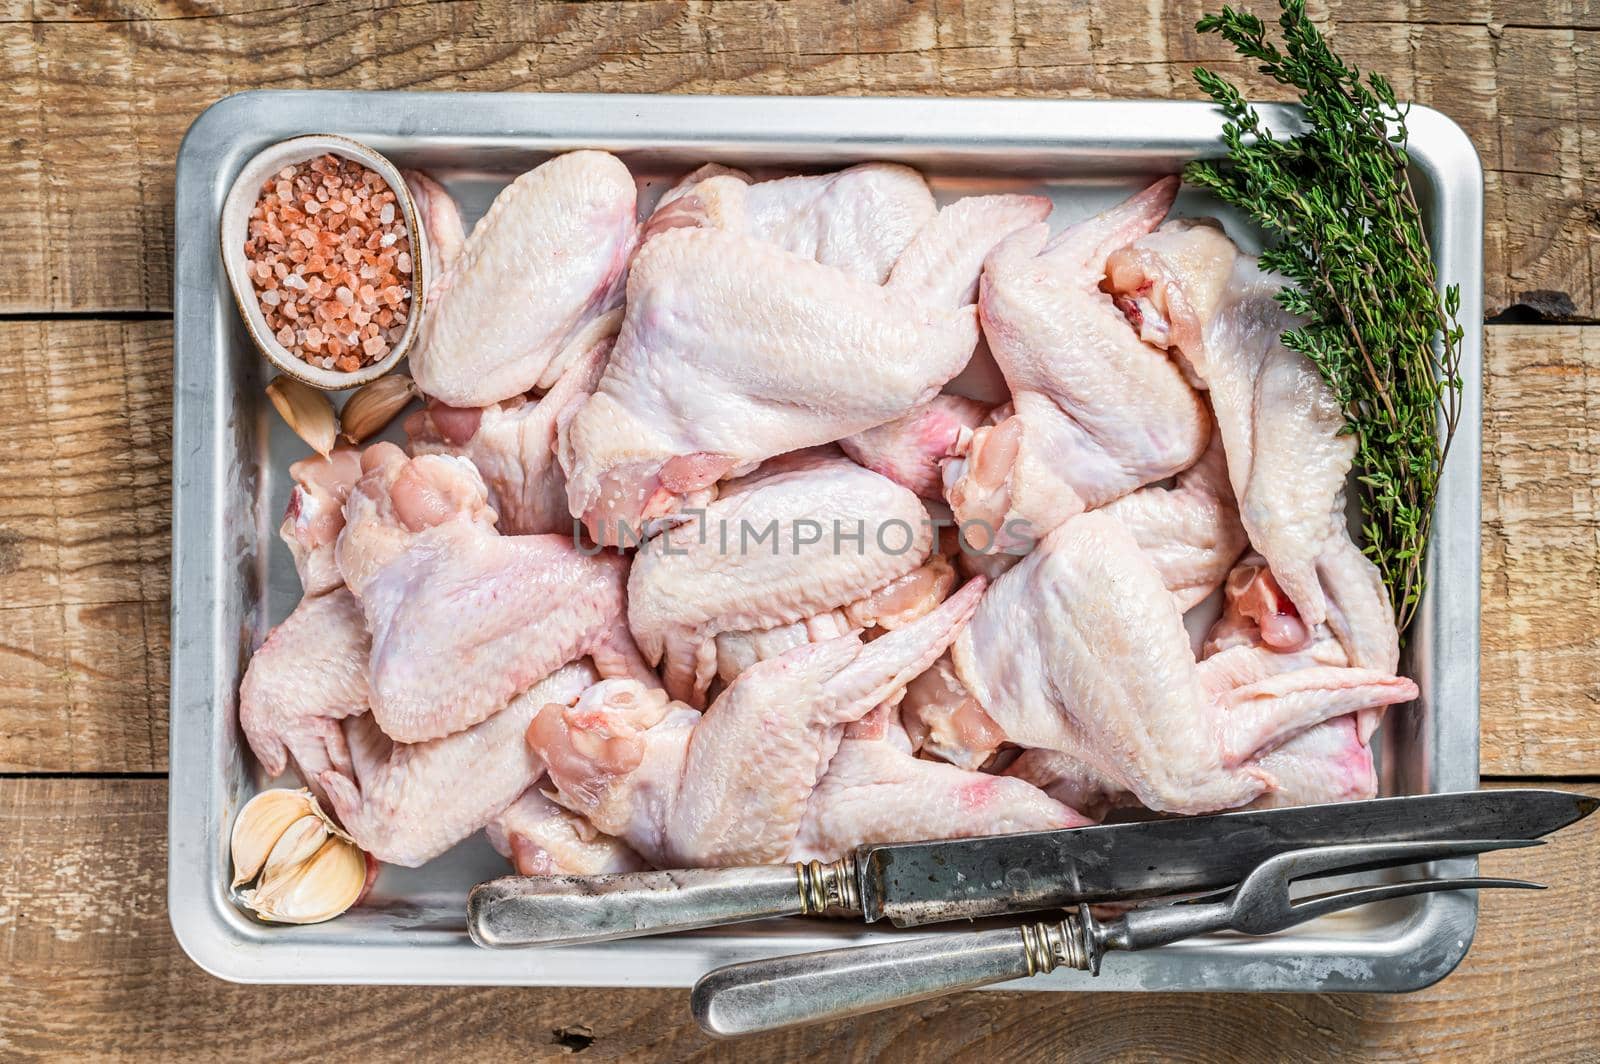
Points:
(834, 984)
(231, 578)
(568, 910)
(964, 879)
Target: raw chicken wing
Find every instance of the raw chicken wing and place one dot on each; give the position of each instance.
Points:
(407, 803)
(546, 260)
(1188, 287)
(1097, 412)
(807, 548)
(733, 351)
(1328, 762)
(310, 674)
(463, 618)
(729, 787)
(859, 219)
(1081, 649)
(875, 791)
(542, 839)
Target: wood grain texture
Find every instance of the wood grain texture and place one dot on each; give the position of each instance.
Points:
(90, 968)
(85, 475)
(84, 525)
(1541, 551)
(97, 96)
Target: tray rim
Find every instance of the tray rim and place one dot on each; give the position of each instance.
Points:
(1439, 929)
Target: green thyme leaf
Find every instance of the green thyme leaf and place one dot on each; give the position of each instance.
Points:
(1337, 199)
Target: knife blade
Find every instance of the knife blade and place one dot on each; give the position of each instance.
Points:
(918, 883)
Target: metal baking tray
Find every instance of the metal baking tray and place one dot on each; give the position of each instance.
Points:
(232, 578)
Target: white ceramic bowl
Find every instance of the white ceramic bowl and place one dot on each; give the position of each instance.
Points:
(236, 209)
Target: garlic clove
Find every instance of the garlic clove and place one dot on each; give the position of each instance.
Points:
(298, 844)
(374, 405)
(306, 410)
(259, 826)
(314, 890)
(305, 868)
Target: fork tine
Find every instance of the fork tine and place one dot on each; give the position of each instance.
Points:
(1321, 904)
(1354, 857)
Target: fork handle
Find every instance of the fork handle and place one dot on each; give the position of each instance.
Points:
(781, 992)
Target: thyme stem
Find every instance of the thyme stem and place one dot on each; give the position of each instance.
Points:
(1337, 197)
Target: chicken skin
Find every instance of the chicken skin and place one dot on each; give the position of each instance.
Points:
(406, 803)
(910, 449)
(315, 516)
(1188, 287)
(1328, 762)
(808, 547)
(1080, 648)
(858, 219)
(444, 235)
(1097, 413)
(463, 618)
(732, 351)
(942, 719)
(875, 791)
(1191, 531)
(512, 444)
(1070, 782)
(539, 268)
(309, 674)
(542, 839)
(731, 786)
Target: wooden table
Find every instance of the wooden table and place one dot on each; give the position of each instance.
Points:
(98, 94)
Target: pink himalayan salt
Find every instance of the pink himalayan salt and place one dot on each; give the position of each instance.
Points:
(327, 245)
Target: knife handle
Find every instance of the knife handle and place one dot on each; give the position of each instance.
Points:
(781, 992)
(569, 910)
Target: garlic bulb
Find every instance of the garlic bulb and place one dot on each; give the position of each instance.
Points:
(304, 868)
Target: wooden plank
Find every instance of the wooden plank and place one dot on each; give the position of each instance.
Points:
(90, 968)
(1541, 551)
(98, 96)
(84, 522)
(85, 483)
(83, 688)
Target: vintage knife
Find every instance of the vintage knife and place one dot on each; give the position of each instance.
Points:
(918, 883)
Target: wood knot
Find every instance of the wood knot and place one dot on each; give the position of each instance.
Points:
(574, 1039)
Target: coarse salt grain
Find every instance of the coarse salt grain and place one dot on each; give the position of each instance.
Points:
(325, 244)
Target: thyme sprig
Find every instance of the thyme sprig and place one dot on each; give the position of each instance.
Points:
(1336, 197)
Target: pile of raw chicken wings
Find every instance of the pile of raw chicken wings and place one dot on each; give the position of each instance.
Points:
(802, 513)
